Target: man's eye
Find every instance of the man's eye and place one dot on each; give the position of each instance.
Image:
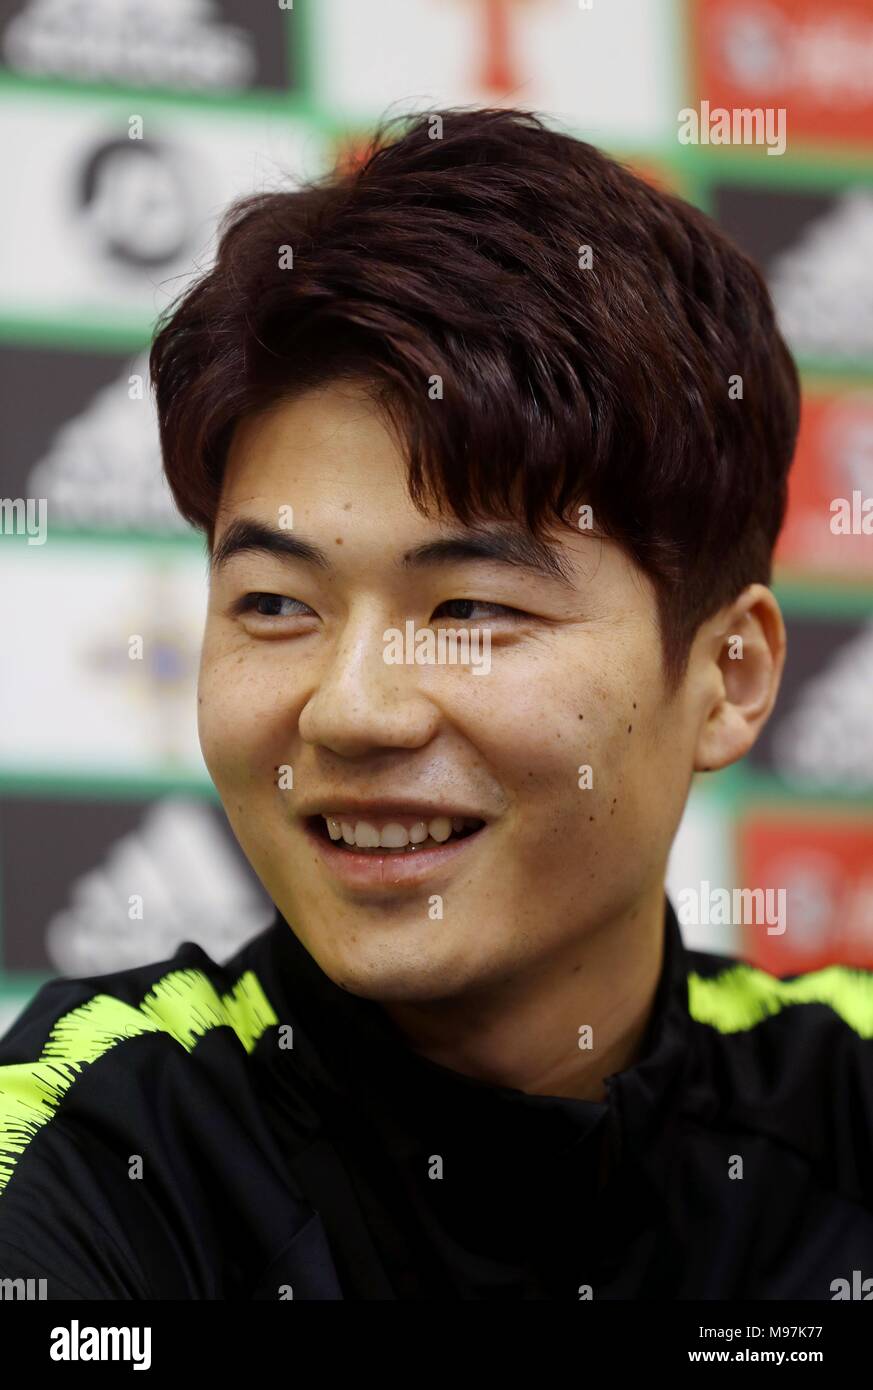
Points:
(271, 606)
(499, 610)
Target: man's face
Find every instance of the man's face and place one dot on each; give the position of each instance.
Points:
(301, 682)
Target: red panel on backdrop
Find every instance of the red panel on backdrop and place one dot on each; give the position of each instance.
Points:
(826, 868)
(827, 530)
(815, 60)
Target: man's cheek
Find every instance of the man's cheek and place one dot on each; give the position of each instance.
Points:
(217, 757)
(222, 732)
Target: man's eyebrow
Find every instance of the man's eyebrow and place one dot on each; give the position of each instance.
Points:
(247, 537)
(503, 544)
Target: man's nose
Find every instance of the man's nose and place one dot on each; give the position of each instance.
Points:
(362, 703)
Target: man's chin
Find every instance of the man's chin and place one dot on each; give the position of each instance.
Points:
(388, 971)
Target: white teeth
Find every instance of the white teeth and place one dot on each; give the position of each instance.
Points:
(393, 836)
(440, 828)
(366, 835)
(363, 835)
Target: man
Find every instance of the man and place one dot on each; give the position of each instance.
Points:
(489, 441)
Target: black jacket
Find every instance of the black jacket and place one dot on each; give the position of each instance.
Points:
(190, 1130)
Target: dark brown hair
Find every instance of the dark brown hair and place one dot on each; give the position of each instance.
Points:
(456, 252)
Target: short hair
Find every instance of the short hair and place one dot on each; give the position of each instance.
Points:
(456, 249)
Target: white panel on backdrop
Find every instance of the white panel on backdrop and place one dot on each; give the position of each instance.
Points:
(702, 853)
(108, 228)
(74, 695)
(608, 68)
(11, 1007)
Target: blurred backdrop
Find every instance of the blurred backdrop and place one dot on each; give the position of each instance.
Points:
(125, 129)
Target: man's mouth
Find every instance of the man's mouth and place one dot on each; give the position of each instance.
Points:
(403, 835)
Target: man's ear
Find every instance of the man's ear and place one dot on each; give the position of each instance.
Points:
(742, 651)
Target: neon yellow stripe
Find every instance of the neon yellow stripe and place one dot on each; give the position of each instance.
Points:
(184, 1004)
(744, 996)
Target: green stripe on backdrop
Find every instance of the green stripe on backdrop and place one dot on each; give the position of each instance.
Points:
(836, 368)
(818, 167)
(162, 101)
(757, 793)
(173, 545)
(90, 334)
(803, 594)
(21, 985)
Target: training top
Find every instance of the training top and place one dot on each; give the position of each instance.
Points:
(250, 1130)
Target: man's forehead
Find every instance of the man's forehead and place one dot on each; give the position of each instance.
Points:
(367, 490)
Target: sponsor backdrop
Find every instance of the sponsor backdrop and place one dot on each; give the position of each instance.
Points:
(125, 129)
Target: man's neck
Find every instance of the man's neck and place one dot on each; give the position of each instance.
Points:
(558, 1030)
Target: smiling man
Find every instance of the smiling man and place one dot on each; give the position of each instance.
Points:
(435, 851)
(490, 384)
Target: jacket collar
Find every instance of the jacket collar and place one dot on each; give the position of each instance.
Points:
(645, 1098)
